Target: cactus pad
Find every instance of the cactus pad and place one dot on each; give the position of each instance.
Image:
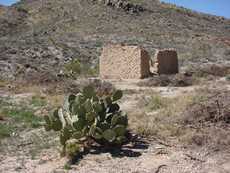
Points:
(88, 116)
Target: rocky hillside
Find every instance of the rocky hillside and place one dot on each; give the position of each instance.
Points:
(38, 36)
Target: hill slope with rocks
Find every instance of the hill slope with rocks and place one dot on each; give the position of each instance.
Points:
(38, 37)
(176, 123)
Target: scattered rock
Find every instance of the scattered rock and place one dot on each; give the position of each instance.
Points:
(178, 80)
(39, 38)
(124, 5)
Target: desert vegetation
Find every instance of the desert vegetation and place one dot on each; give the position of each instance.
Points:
(86, 118)
(58, 115)
(195, 119)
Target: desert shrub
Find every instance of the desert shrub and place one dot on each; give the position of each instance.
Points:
(210, 70)
(38, 101)
(228, 77)
(101, 87)
(172, 7)
(211, 109)
(157, 102)
(198, 118)
(178, 80)
(75, 68)
(87, 118)
(135, 1)
(5, 130)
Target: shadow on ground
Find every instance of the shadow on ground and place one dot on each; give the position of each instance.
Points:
(132, 149)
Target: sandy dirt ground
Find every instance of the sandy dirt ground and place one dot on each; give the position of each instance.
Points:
(142, 156)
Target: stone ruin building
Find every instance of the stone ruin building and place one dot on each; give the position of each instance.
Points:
(124, 62)
(166, 61)
(118, 61)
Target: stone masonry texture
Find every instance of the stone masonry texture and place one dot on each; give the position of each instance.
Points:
(166, 61)
(124, 62)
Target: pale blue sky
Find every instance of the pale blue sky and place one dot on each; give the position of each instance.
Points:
(7, 2)
(216, 7)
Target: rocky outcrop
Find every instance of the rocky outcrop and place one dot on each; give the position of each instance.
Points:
(40, 36)
(124, 5)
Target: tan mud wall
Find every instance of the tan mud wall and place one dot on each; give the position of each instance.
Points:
(124, 62)
(166, 61)
(145, 64)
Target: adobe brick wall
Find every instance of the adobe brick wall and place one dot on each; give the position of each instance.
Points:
(124, 62)
(166, 61)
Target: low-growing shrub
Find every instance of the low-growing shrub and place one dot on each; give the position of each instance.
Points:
(76, 68)
(228, 77)
(87, 118)
(73, 67)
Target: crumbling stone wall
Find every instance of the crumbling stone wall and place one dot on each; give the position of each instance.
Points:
(124, 62)
(166, 61)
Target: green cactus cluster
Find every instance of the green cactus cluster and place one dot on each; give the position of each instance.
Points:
(87, 116)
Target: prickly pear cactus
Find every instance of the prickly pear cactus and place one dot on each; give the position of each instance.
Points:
(86, 116)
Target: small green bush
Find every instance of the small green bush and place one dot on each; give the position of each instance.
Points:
(5, 130)
(157, 102)
(228, 77)
(74, 68)
(87, 117)
(38, 101)
(23, 116)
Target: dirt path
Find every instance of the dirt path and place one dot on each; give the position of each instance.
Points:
(132, 85)
(156, 158)
(151, 157)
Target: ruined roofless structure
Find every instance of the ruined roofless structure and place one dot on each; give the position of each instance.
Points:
(124, 62)
(118, 61)
(166, 61)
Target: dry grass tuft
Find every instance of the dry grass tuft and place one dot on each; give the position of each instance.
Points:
(55, 100)
(214, 109)
(211, 70)
(160, 116)
(208, 119)
(200, 118)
